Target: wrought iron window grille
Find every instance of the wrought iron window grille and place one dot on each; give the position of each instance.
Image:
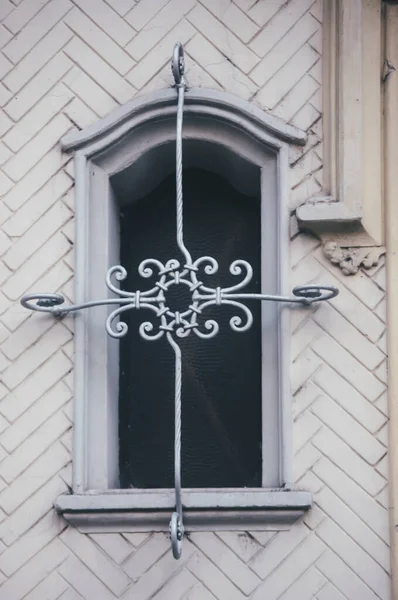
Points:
(172, 323)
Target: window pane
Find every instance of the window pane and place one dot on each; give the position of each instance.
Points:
(221, 385)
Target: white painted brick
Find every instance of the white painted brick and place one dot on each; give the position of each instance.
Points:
(354, 527)
(5, 36)
(53, 584)
(90, 93)
(333, 416)
(358, 560)
(301, 94)
(285, 48)
(314, 517)
(383, 467)
(304, 337)
(144, 11)
(227, 43)
(31, 574)
(350, 462)
(242, 543)
(166, 19)
(38, 384)
(33, 447)
(273, 554)
(177, 586)
(27, 515)
(303, 368)
(383, 498)
(121, 6)
(305, 190)
(226, 560)
(5, 184)
(280, 24)
(198, 592)
(156, 58)
(95, 37)
(304, 460)
(344, 578)
(233, 18)
(83, 580)
(22, 487)
(108, 20)
(38, 117)
(35, 416)
(136, 539)
(31, 543)
(306, 586)
(304, 398)
(5, 94)
(23, 14)
(354, 403)
(306, 116)
(381, 372)
(352, 370)
(80, 114)
(305, 427)
(36, 355)
(286, 574)
(5, 8)
(158, 574)
(348, 336)
(92, 64)
(382, 436)
(355, 312)
(5, 66)
(114, 545)
(5, 123)
(32, 210)
(302, 246)
(43, 22)
(52, 43)
(19, 341)
(262, 11)
(89, 554)
(35, 266)
(329, 592)
(34, 150)
(39, 233)
(357, 499)
(37, 87)
(5, 153)
(141, 561)
(213, 579)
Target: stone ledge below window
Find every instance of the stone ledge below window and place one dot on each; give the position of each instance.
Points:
(127, 511)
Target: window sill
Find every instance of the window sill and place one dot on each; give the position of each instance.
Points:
(131, 510)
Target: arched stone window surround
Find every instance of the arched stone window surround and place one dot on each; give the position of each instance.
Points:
(133, 135)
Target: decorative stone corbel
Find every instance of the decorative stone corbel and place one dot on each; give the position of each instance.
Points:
(350, 260)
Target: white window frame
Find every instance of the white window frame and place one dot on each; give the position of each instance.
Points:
(110, 145)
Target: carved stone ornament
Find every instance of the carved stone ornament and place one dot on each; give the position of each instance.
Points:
(350, 260)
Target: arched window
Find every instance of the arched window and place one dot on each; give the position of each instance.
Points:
(236, 427)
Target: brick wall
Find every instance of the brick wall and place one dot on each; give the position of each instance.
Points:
(63, 65)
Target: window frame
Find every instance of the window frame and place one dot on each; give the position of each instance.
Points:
(100, 151)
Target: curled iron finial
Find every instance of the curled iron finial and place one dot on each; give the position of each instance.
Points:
(178, 64)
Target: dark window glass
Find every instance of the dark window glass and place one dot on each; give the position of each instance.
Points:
(221, 384)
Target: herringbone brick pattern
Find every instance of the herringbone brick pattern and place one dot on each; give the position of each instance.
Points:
(63, 65)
